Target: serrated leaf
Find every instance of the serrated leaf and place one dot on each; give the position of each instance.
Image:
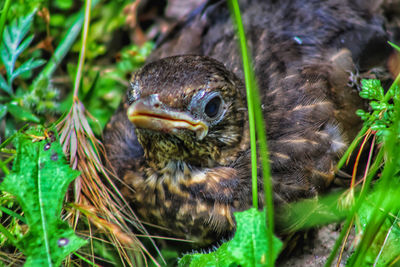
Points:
(24, 45)
(3, 110)
(27, 66)
(218, 258)
(39, 180)
(21, 113)
(12, 37)
(249, 246)
(4, 85)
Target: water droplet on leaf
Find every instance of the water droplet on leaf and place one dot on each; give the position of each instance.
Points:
(54, 156)
(47, 146)
(62, 242)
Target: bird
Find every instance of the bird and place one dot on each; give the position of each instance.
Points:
(179, 141)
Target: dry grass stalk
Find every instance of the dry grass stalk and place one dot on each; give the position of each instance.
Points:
(94, 188)
(94, 191)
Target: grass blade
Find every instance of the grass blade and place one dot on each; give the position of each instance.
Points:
(257, 125)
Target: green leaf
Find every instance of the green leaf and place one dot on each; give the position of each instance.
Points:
(378, 105)
(24, 45)
(39, 180)
(372, 89)
(395, 46)
(249, 246)
(218, 258)
(12, 37)
(4, 85)
(364, 115)
(21, 113)
(27, 66)
(64, 4)
(3, 110)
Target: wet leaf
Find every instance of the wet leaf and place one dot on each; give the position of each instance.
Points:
(249, 246)
(39, 182)
(21, 113)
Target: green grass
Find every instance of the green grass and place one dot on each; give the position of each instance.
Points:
(372, 208)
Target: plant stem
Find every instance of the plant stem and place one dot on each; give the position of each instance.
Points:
(366, 126)
(257, 126)
(64, 45)
(9, 236)
(249, 82)
(386, 205)
(81, 60)
(350, 217)
(86, 260)
(388, 147)
(13, 214)
(3, 17)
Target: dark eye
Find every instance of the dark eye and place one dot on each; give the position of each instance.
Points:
(208, 106)
(212, 107)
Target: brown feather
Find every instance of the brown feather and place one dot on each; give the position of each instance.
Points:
(304, 52)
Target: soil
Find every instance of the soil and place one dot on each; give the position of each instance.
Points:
(316, 247)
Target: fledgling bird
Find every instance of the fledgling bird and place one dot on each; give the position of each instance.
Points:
(180, 142)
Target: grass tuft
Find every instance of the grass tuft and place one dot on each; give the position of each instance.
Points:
(95, 194)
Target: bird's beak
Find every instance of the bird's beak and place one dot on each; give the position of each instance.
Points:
(150, 113)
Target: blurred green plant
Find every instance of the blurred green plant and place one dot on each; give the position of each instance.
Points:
(9, 218)
(105, 30)
(23, 103)
(385, 248)
(33, 93)
(102, 96)
(375, 208)
(381, 116)
(378, 215)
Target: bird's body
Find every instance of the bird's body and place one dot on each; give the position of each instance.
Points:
(183, 150)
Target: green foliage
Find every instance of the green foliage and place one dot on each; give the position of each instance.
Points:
(309, 213)
(39, 180)
(14, 43)
(376, 208)
(386, 245)
(22, 104)
(27, 96)
(381, 116)
(20, 8)
(7, 203)
(258, 136)
(41, 97)
(102, 95)
(249, 246)
(105, 21)
(379, 214)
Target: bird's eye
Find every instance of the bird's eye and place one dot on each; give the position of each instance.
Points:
(211, 109)
(209, 106)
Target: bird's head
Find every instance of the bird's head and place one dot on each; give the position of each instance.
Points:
(188, 108)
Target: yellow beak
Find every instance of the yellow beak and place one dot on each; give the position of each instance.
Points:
(150, 113)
